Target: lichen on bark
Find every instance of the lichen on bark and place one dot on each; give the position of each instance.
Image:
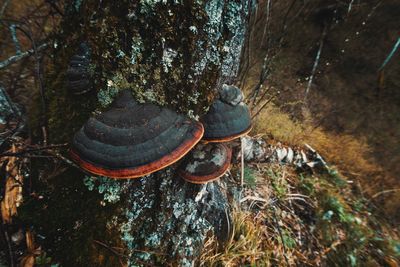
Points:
(169, 53)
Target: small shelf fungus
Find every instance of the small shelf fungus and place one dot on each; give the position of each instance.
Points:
(206, 163)
(78, 76)
(131, 140)
(228, 117)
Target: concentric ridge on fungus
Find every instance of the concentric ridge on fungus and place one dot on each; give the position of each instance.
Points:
(206, 163)
(131, 140)
(78, 76)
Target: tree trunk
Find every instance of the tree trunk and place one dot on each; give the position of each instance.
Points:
(172, 53)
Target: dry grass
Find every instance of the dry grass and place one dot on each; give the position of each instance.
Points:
(246, 245)
(349, 154)
(302, 219)
(262, 234)
(279, 126)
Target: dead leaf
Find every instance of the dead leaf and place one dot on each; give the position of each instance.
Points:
(27, 261)
(13, 187)
(32, 251)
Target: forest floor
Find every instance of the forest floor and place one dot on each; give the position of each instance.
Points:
(351, 111)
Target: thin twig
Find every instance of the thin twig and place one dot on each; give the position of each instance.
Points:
(385, 192)
(67, 161)
(7, 238)
(262, 96)
(242, 163)
(264, 105)
(266, 27)
(350, 5)
(284, 24)
(15, 39)
(275, 217)
(4, 7)
(241, 171)
(33, 150)
(41, 90)
(246, 50)
(133, 249)
(16, 58)
(254, 198)
(39, 77)
(55, 7)
(389, 57)
(269, 56)
(316, 61)
(263, 76)
(111, 249)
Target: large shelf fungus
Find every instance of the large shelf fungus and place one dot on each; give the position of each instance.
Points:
(228, 117)
(131, 140)
(206, 163)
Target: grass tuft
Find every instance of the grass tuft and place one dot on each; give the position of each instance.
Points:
(301, 219)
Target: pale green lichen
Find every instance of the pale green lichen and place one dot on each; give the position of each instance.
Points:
(193, 29)
(110, 188)
(169, 55)
(193, 116)
(120, 54)
(6, 108)
(136, 49)
(77, 4)
(139, 202)
(191, 222)
(191, 226)
(234, 19)
(212, 28)
(227, 56)
(89, 182)
(147, 6)
(106, 95)
(194, 97)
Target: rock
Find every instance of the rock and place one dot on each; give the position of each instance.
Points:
(281, 153)
(290, 155)
(254, 149)
(303, 156)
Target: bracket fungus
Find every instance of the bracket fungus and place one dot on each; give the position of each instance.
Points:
(131, 140)
(78, 76)
(228, 117)
(206, 163)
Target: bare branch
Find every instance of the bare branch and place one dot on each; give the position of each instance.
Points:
(15, 39)
(33, 150)
(389, 57)
(18, 57)
(265, 104)
(3, 8)
(316, 62)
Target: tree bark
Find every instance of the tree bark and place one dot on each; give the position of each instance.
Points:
(175, 54)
